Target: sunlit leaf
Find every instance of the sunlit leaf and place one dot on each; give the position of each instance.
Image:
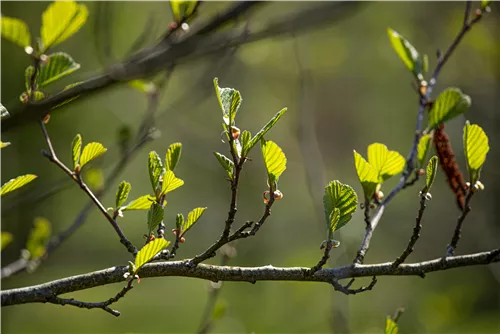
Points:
(245, 138)
(149, 251)
(386, 163)
(16, 183)
(170, 182)
(449, 104)
(60, 21)
(342, 197)
(229, 101)
(423, 148)
(58, 65)
(408, 54)
(227, 164)
(143, 86)
(173, 155)
(179, 221)
(390, 326)
(16, 31)
(263, 131)
(155, 216)
(192, 218)
(431, 173)
(90, 152)
(122, 193)
(274, 159)
(367, 175)
(155, 168)
(6, 239)
(485, 4)
(142, 203)
(94, 178)
(476, 147)
(4, 144)
(334, 220)
(182, 9)
(38, 238)
(76, 150)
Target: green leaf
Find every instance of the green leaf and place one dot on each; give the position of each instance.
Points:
(60, 21)
(179, 221)
(192, 218)
(173, 155)
(6, 239)
(170, 182)
(484, 4)
(274, 159)
(94, 178)
(76, 150)
(227, 164)
(58, 65)
(431, 173)
(219, 310)
(408, 54)
(245, 138)
(263, 131)
(142, 203)
(90, 152)
(229, 101)
(155, 216)
(367, 175)
(16, 183)
(156, 169)
(4, 144)
(16, 31)
(147, 87)
(476, 148)
(149, 251)
(449, 104)
(122, 194)
(390, 326)
(38, 238)
(182, 9)
(386, 163)
(342, 197)
(423, 148)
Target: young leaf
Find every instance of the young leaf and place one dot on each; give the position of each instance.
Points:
(229, 101)
(90, 152)
(342, 197)
(58, 65)
(431, 174)
(449, 104)
(173, 155)
(476, 148)
(408, 54)
(367, 175)
(142, 203)
(122, 194)
(143, 86)
(170, 182)
(16, 183)
(394, 165)
(274, 159)
(192, 218)
(16, 31)
(334, 222)
(179, 221)
(390, 326)
(386, 163)
(423, 148)
(484, 4)
(60, 21)
(4, 144)
(38, 238)
(155, 168)
(182, 9)
(6, 239)
(262, 132)
(155, 216)
(227, 164)
(149, 251)
(245, 138)
(76, 150)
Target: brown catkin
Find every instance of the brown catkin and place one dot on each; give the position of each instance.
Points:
(449, 165)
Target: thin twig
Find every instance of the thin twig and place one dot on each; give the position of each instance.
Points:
(345, 289)
(324, 258)
(458, 229)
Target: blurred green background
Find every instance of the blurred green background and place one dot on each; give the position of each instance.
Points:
(345, 88)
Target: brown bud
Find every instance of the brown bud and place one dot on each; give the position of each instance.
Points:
(423, 87)
(172, 26)
(235, 132)
(182, 239)
(278, 195)
(46, 119)
(421, 172)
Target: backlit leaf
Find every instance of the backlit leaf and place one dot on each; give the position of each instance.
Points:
(142, 203)
(182, 9)
(6, 239)
(408, 54)
(229, 101)
(192, 218)
(430, 173)
(90, 152)
(155, 168)
(76, 150)
(149, 251)
(16, 31)
(423, 148)
(58, 65)
(155, 216)
(39, 236)
(390, 326)
(263, 131)
(274, 159)
(449, 104)
(170, 182)
(16, 183)
(179, 221)
(4, 144)
(122, 193)
(476, 147)
(485, 4)
(227, 164)
(342, 197)
(386, 163)
(61, 20)
(94, 178)
(143, 86)
(367, 175)
(173, 155)
(245, 138)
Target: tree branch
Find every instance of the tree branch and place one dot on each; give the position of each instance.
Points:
(458, 229)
